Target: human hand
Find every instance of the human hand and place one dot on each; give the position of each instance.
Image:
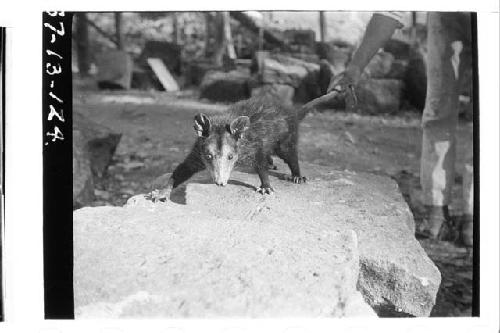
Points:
(344, 84)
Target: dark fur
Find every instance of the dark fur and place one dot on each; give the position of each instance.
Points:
(272, 130)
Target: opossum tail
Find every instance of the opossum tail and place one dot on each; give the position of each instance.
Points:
(302, 112)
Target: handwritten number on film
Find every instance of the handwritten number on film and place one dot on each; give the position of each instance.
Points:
(53, 69)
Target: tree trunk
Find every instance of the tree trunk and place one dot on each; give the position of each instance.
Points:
(413, 31)
(208, 32)
(249, 23)
(322, 26)
(118, 30)
(82, 44)
(223, 40)
(228, 39)
(175, 29)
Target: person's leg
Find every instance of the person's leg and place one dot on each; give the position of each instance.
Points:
(468, 203)
(439, 122)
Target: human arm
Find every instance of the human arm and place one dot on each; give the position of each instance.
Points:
(379, 30)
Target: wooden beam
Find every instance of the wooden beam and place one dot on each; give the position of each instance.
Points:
(101, 32)
(248, 23)
(322, 26)
(118, 30)
(82, 43)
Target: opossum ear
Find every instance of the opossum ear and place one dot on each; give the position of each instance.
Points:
(202, 125)
(238, 126)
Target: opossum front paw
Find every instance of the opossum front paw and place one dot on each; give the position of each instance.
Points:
(296, 179)
(265, 190)
(159, 195)
(160, 188)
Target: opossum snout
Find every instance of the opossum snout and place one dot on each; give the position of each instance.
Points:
(221, 178)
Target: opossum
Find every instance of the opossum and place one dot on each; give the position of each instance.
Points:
(248, 133)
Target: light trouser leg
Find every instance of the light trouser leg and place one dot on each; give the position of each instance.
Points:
(440, 116)
(468, 203)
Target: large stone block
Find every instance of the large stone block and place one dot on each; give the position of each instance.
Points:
(336, 54)
(169, 53)
(114, 70)
(415, 81)
(230, 86)
(83, 183)
(293, 253)
(100, 141)
(280, 69)
(377, 96)
(379, 66)
(93, 148)
(282, 92)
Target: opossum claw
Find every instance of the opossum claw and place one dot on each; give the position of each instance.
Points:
(160, 191)
(265, 190)
(296, 179)
(159, 195)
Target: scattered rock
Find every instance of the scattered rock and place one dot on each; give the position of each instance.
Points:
(169, 52)
(83, 184)
(379, 66)
(398, 48)
(291, 253)
(101, 142)
(283, 92)
(300, 40)
(114, 70)
(104, 195)
(129, 166)
(338, 55)
(280, 69)
(230, 86)
(197, 70)
(398, 70)
(377, 96)
(308, 89)
(326, 72)
(93, 148)
(415, 81)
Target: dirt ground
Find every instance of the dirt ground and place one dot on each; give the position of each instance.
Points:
(158, 133)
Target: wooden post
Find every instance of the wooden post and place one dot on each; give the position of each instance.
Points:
(413, 29)
(175, 29)
(228, 39)
(219, 39)
(208, 32)
(118, 30)
(322, 26)
(82, 43)
(223, 39)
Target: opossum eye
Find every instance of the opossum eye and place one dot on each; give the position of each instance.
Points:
(230, 157)
(209, 156)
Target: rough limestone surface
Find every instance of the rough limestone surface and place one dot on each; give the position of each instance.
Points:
(306, 250)
(150, 260)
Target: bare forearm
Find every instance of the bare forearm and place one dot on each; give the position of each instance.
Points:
(379, 30)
